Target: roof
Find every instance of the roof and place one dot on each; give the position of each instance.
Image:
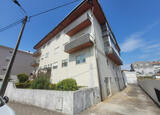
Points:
(141, 62)
(77, 12)
(155, 63)
(21, 51)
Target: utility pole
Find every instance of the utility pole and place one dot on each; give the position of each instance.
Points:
(7, 75)
(10, 65)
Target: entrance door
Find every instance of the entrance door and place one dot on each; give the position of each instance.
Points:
(107, 85)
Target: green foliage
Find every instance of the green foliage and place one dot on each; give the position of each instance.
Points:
(41, 82)
(52, 86)
(145, 77)
(67, 85)
(26, 84)
(22, 77)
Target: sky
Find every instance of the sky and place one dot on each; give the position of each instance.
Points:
(135, 23)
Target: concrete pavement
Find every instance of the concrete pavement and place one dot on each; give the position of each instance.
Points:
(131, 101)
(22, 109)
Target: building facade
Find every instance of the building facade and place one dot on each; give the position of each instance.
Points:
(83, 47)
(22, 63)
(146, 68)
(156, 66)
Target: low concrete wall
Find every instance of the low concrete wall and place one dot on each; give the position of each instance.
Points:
(148, 86)
(69, 102)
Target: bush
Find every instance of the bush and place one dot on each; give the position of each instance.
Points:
(67, 85)
(26, 84)
(41, 82)
(52, 86)
(22, 77)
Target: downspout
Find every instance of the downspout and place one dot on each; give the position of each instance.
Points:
(95, 52)
(99, 78)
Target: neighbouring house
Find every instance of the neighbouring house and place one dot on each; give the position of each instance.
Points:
(83, 47)
(129, 77)
(22, 63)
(143, 68)
(156, 66)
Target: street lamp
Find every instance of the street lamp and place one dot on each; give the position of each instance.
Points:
(8, 71)
(18, 4)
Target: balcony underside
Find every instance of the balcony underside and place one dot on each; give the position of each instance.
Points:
(113, 56)
(79, 27)
(78, 44)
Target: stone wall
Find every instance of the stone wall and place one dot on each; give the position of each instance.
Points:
(69, 102)
(149, 86)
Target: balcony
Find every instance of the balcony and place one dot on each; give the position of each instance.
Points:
(78, 44)
(35, 64)
(37, 54)
(79, 24)
(114, 55)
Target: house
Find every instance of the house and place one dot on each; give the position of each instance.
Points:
(148, 68)
(22, 63)
(143, 68)
(82, 47)
(156, 66)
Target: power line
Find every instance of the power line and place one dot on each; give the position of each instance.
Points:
(66, 4)
(11, 25)
(34, 15)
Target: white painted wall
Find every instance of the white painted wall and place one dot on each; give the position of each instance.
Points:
(130, 77)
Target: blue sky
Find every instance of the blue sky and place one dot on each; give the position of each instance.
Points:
(135, 23)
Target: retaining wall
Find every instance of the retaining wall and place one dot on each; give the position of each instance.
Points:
(149, 87)
(69, 102)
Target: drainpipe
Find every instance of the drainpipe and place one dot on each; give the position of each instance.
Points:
(99, 78)
(95, 52)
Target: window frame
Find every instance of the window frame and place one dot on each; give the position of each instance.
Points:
(81, 62)
(64, 61)
(53, 65)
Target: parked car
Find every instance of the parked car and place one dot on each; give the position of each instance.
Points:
(4, 108)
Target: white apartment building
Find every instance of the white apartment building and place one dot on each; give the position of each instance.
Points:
(83, 47)
(156, 66)
(22, 63)
(146, 68)
(143, 68)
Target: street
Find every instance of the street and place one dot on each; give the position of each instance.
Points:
(22, 109)
(131, 101)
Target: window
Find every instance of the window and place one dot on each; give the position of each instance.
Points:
(56, 49)
(47, 55)
(57, 36)
(55, 65)
(80, 59)
(45, 66)
(64, 63)
(107, 62)
(44, 46)
(48, 43)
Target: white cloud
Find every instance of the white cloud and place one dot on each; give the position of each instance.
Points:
(132, 43)
(136, 41)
